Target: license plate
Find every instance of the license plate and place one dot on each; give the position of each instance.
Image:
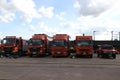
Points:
(34, 52)
(58, 52)
(84, 53)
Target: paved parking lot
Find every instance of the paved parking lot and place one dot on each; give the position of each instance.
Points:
(48, 68)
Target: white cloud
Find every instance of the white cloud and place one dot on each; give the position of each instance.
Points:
(43, 25)
(50, 31)
(101, 25)
(27, 9)
(7, 12)
(70, 28)
(107, 19)
(112, 13)
(7, 17)
(45, 28)
(87, 27)
(46, 11)
(76, 4)
(98, 15)
(0, 35)
(93, 7)
(24, 9)
(61, 16)
(32, 28)
(70, 25)
(25, 6)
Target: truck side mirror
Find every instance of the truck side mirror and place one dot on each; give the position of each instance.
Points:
(27, 42)
(1, 41)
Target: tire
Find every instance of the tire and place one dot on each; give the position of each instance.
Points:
(98, 55)
(73, 56)
(30, 55)
(102, 56)
(114, 56)
(91, 56)
(54, 56)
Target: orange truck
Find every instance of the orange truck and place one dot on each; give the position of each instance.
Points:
(10, 43)
(37, 45)
(60, 45)
(84, 46)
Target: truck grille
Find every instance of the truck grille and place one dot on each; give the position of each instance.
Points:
(8, 49)
(84, 50)
(34, 49)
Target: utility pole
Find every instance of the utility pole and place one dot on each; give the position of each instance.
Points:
(94, 35)
(112, 35)
(119, 36)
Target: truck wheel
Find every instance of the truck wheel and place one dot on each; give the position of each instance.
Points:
(73, 56)
(114, 56)
(43, 55)
(98, 55)
(30, 55)
(54, 56)
(91, 56)
(103, 56)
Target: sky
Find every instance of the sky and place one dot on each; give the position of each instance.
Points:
(73, 17)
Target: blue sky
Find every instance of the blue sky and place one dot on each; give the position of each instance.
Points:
(73, 17)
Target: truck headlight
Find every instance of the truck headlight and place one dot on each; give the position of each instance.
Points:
(114, 52)
(104, 52)
(3, 51)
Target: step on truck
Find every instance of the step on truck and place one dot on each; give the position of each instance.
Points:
(37, 45)
(84, 46)
(60, 45)
(10, 43)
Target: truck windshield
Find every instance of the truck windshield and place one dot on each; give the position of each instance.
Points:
(107, 47)
(84, 43)
(8, 41)
(59, 43)
(36, 42)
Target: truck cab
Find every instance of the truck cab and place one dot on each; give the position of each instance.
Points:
(106, 51)
(84, 46)
(9, 43)
(60, 45)
(37, 45)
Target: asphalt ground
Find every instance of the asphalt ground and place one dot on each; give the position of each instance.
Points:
(48, 68)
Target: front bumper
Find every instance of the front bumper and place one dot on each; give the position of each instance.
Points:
(58, 53)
